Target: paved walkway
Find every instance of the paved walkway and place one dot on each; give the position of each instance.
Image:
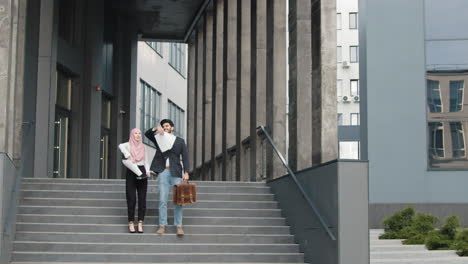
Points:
(394, 252)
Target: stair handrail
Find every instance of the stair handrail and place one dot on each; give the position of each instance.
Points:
(298, 184)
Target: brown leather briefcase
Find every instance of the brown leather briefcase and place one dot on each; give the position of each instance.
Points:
(184, 193)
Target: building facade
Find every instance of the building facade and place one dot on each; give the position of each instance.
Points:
(413, 75)
(162, 87)
(347, 85)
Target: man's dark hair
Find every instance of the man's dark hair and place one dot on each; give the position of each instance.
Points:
(164, 121)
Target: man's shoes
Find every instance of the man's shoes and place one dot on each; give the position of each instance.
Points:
(161, 230)
(180, 231)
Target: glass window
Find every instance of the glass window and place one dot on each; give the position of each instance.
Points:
(456, 96)
(64, 90)
(354, 87)
(433, 96)
(349, 149)
(353, 54)
(437, 140)
(446, 57)
(353, 20)
(150, 107)
(355, 119)
(339, 87)
(339, 54)
(458, 140)
(157, 46)
(177, 115)
(340, 119)
(338, 21)
(177, 57)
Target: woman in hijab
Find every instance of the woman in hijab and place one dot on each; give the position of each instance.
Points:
(137, 178)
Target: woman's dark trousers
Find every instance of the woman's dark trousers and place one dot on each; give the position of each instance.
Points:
(134, 187)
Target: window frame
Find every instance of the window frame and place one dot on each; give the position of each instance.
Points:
(351, 119)
(356, 21)
(351, 52)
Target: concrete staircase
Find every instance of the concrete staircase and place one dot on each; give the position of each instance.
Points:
(84, 221)
(394, 252)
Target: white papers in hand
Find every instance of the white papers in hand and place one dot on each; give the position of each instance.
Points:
(132, 166)
(165, 141)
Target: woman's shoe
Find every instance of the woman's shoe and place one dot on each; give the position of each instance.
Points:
(131, 227)
(140, 226)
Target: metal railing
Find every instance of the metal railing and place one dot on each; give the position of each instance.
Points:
(301, 188)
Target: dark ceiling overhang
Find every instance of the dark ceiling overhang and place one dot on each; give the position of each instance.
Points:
(168, 20)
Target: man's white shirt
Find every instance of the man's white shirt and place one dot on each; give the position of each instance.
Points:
(165, 142)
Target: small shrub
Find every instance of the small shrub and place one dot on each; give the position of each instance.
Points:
(450, 227)
(421, 225)
(395, 223)
(435, 240)
(461, 243)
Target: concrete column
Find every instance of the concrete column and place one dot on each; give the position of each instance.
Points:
(329, 126)
(191, 100)
(219, 81)
(279, 85)
(121, 80)
(93, 78)
(46, 90)
(244, 85)
(219, 75)
(253, 92)
(199, 98)
(208, 89)
(300, 85)
(231, 107)
(261, 87)
(224, 61)
(12, 34)
(213, 70)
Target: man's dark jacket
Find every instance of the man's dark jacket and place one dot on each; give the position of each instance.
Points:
(159, 161)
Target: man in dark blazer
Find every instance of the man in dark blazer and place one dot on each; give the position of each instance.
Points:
(172, 167)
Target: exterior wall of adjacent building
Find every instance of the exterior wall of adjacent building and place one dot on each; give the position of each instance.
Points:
(155, 68)
(399, 46)
(348, 79)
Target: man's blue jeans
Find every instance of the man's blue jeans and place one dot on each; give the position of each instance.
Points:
(166, 183)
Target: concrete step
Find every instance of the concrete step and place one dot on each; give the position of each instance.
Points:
(151, 188)
(156, 257)
(394, 242)
(103, 219)
(449, 260)
(122, 182)
(150, 237)
(150, 228)
(413, 254)
(383, 248)
(175, 248)
(150, 196)
(88, 210)
(151, 203)
(35, 262)
(84, 221)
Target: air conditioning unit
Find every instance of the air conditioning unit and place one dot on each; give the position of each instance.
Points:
(345, 98)
(345, 64)
(356, 98)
